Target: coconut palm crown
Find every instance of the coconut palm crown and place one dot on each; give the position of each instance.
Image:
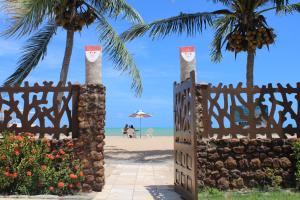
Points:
(239, 27)
(41, 19)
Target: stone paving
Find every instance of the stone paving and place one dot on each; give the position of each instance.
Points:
(139, 181)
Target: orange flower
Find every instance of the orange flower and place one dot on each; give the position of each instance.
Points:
(51, 157)
(44, 167)
(34, 151)
(60, 185)
(3, 157)
(29, 173)
(17, 152)
(73, 176)
(81, 174)
(20, 138)
(14, 175)
(51, 188)
(76, 167)
(31, 159)
(62, 152)
(7, 174)
(57, 156)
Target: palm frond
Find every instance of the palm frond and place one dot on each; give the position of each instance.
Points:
(289, 9)
(25, 16)
(280, 4)
(183, 23)
(225, 2)
(34, 51)
(118, 53)
(223, 25)
(116, 8)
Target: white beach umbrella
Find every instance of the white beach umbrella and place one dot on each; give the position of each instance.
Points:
(140, 114)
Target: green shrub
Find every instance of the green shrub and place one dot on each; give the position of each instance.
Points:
(30, 166)
(275, 180)
(296, 153)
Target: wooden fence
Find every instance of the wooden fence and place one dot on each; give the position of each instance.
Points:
(36, 109)
(267, 111)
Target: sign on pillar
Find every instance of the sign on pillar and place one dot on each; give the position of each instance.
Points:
(187, 62)
(93, 64)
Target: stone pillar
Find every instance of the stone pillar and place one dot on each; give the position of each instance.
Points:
(187, 62)
(93, 62)
(89, 145)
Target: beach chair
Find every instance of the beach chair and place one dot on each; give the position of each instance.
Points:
(149, 132)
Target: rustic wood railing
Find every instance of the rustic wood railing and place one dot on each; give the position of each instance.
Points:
(36, 109)
(267, 111)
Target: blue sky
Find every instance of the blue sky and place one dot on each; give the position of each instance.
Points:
(158, 61)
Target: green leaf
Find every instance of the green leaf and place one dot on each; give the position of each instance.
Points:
(34, 51)
(223, 26)
(26, 16)
(183, 23)
(118, 53)
(115, 8)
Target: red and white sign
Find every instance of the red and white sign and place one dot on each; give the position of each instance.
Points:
(92, 53)
(188, 53)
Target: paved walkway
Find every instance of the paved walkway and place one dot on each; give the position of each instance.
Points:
(143, 181)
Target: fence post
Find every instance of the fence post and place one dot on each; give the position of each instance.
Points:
(75, 101)
(202, 111)
(251, 116)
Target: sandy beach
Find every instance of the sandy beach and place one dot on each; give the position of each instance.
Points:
(122, 149)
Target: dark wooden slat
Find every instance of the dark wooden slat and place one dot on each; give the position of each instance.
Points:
(278, 99)
(36, 99)
(75, 101)
(185, 135)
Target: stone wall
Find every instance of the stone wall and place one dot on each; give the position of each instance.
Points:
(89, 146)
(238, 163)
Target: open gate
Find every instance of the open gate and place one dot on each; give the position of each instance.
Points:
(185, 140)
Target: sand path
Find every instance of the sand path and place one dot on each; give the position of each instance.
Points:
(139, 169)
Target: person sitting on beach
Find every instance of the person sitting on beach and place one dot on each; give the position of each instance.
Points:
(131, 132)
(125, 129)
(131, 126)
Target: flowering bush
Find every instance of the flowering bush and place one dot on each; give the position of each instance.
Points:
(30, 166)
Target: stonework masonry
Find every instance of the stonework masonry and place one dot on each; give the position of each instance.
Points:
(89, 146)
(243, 163)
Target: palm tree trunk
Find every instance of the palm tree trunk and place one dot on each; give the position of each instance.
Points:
(67, 58)
(250, 99)
(66, 63)
(250, 68)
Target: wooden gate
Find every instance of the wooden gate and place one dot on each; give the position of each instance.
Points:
(185, 140)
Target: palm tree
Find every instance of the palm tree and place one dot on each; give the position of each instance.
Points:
(41, 19)
(239, 27)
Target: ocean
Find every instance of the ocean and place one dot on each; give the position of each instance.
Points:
(157, 131)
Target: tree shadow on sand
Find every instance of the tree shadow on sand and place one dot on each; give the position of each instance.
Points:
(163, 192)
(114, 154)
